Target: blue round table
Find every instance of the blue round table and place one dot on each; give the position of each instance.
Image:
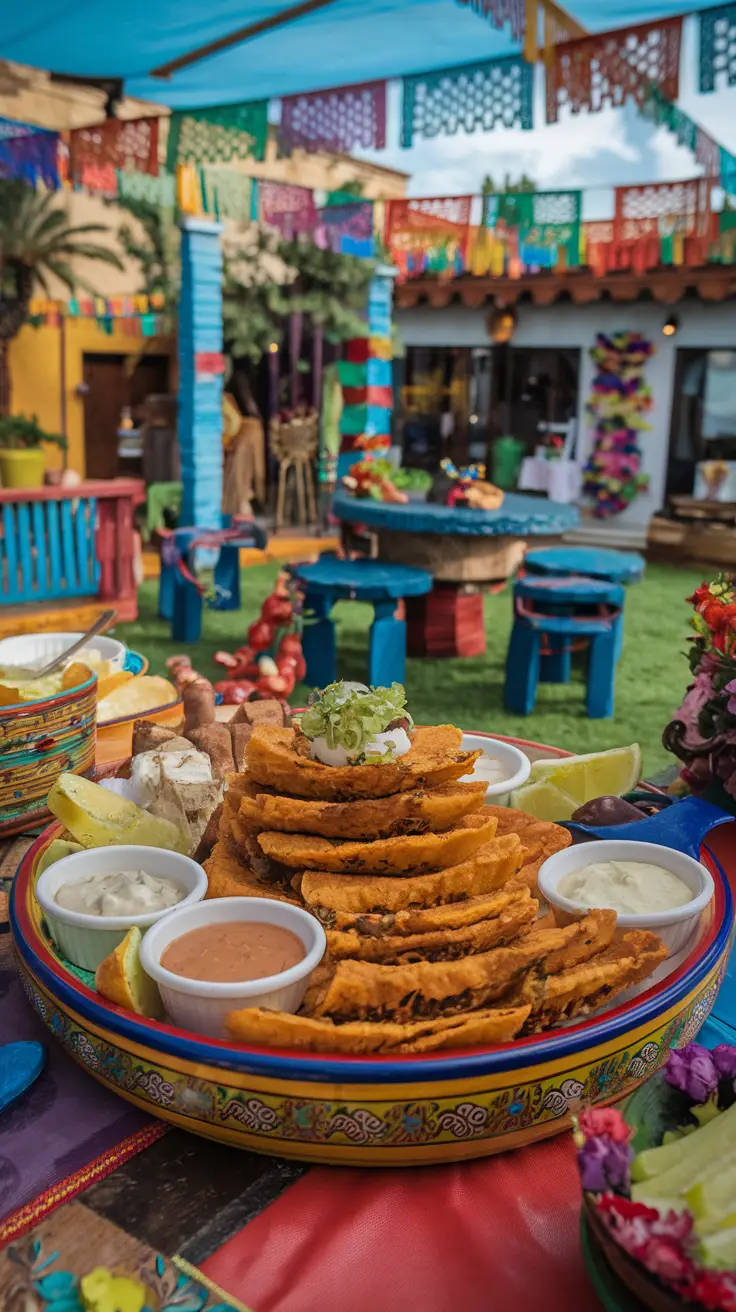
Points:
(458, 546)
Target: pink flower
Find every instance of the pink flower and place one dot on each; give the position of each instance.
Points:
(696, 697)
(605, 1120)
(665, 1258)
(715, 1291)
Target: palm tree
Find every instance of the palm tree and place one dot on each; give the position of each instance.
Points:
(36, 243)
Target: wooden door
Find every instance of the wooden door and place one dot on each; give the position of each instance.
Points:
(111, 385)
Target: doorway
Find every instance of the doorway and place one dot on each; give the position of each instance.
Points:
(113, 382)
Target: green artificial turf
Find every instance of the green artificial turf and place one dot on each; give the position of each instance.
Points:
(652, 674)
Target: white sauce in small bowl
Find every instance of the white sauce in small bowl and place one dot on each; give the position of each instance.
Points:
(124, 893)
(489, 770)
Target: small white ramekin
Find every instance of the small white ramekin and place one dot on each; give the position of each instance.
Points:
(87, 940)
(674, 927)
(517, 765)
(200, 1006)
(37, 649)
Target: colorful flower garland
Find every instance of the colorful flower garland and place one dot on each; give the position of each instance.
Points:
(612, 477)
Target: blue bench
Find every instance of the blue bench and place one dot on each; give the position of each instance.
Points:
(551, 615)
(590, 562)
(180, 597)
(329, 580)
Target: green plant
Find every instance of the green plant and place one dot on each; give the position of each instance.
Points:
(37, 242)
(155, 246)
(20, 434)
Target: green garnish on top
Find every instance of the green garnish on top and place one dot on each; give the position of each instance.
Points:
(352, 718)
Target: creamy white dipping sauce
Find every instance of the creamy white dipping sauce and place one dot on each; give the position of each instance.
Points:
(489, 770)
(125, 893)
(632, 888)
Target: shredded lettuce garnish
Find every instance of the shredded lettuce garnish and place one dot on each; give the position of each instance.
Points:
(352, 719)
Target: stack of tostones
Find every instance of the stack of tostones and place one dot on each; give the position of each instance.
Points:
(428, 898)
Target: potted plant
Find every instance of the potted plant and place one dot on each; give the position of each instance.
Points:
(22, 457)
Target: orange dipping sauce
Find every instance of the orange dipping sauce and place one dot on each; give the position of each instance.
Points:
(233, 951)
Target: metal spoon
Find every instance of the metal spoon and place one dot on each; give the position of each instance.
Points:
(102, 622)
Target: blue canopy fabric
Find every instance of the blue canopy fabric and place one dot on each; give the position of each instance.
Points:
(349, 41)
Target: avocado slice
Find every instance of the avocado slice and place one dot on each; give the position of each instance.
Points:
(60, 847)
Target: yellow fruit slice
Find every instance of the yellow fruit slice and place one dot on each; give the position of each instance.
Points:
(56, 851)
(109, 682)
(599, 774)
(98, 818)
(545, 801)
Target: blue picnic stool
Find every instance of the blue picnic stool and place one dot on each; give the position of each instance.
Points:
(180, 598)
(590, 562)
(329, 580)
(551, 615)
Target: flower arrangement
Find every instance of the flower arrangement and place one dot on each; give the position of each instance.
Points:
(702, 733)
(368, 478)
(666, 1241)
(618, 405)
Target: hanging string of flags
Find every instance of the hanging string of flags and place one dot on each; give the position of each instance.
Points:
(136, 316)
(513, 234)
(582, 70)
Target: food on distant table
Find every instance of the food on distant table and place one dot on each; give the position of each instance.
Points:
(632, 888)
(121, 978)
(233, 951)
(415, 812)
(435, 758)
(124, 893)
(98, 818)
(135, 697)
(398, 856)
(350, 724)
(578, 779)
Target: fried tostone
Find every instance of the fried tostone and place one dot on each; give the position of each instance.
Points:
(584, 988)
(449, 915)
(435, 758)
(228, 875)
(361, 990)
(328, 895)
(438, 945)
(279, 1029)
(388, 856)
(412, 812)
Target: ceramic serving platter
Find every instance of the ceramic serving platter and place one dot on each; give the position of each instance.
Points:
(377, 1110)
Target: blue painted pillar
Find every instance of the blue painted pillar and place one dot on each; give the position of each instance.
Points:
(201, 369)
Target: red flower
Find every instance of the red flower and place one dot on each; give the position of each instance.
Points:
(606, 1120)
(713, 1290)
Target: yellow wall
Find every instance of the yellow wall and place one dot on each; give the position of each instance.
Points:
(35, 363)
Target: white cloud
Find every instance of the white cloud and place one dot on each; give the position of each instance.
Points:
(592, 151)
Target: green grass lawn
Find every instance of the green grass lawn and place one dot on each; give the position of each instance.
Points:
(652, 673)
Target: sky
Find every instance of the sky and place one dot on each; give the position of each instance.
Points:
(614, 147)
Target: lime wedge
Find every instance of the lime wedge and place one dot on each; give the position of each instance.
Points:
(600, 774)
(719, 1249)
(675, 1168)
(713, 1201)
(545, 801)
(56, 851)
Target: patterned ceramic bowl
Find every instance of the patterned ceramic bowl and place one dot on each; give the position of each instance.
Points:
(39, 740)
(370, 1111)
